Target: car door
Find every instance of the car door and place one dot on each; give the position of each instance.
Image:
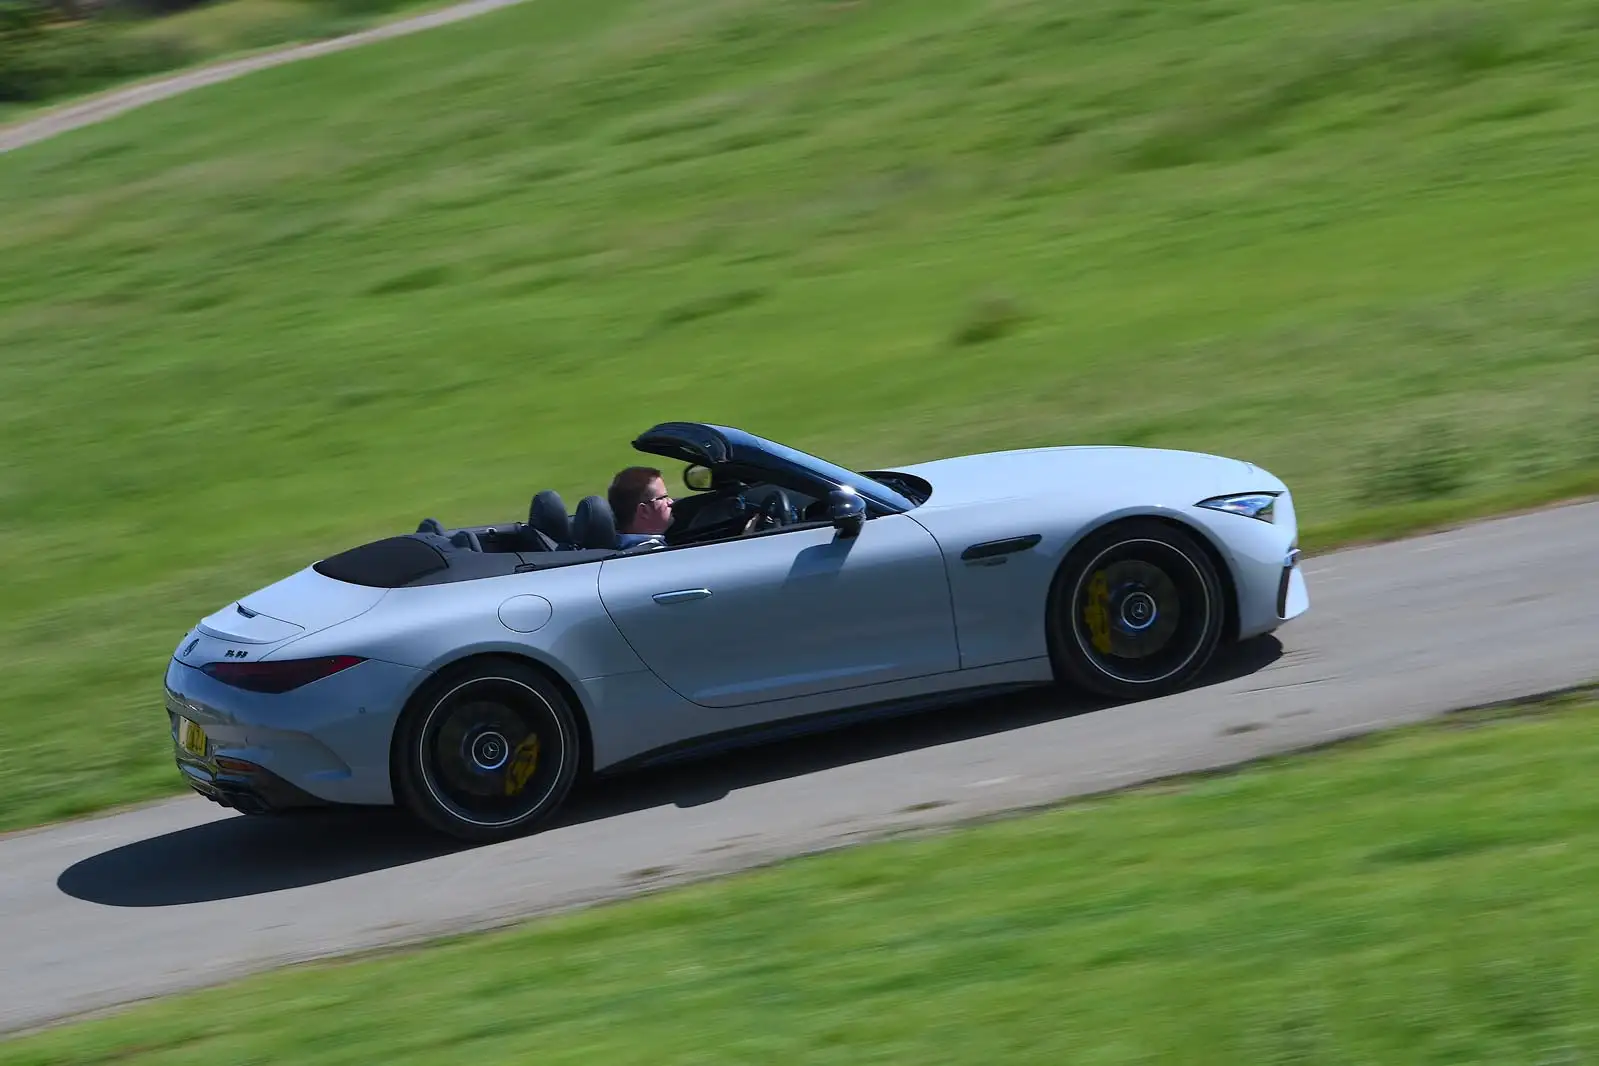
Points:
(790, 613)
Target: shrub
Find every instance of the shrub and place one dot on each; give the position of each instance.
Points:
(43, 55)
(992, 316)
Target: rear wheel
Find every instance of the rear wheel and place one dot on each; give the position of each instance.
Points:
(487, 752)
(1136, 611)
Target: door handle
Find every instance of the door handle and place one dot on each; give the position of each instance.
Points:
(681, 595)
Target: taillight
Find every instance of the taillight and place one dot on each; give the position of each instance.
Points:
(279, 676)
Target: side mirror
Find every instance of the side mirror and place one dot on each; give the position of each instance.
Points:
(699, 478)
(847, 511)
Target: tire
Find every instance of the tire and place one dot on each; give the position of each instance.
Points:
(1160, 611)
(459, 764)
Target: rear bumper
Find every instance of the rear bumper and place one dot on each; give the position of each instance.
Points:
(242, 786)
(326, 743)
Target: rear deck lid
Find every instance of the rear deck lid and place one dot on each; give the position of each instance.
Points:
(241, 625)
(300, 604)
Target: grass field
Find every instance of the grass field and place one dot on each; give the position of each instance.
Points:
(1425, 897)
(1351, 241)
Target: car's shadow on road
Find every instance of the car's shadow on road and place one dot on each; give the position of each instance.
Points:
(709, 779)
(240, 856)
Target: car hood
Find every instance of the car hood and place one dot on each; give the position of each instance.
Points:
(1151, 475)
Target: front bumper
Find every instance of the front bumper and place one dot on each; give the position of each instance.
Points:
(1293, 596)
(1264, 558)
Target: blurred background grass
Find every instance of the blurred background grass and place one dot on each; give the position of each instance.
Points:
(1351, 241)
(1427, 896)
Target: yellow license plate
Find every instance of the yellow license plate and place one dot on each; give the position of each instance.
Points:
(191, 737)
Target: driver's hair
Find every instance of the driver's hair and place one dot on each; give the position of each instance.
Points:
(629, 489)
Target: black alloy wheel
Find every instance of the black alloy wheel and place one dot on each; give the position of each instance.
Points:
(487, 752)
(1136, 611)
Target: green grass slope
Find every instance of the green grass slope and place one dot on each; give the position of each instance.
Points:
(1425, 897)
(1351, 241)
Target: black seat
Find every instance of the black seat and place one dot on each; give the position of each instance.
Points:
(547, 515)
(594, 526)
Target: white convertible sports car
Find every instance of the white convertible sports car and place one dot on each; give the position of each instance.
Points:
(471, 674)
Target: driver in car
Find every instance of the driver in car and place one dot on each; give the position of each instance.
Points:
(642, 506)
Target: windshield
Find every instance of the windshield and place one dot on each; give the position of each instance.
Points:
(862, 484)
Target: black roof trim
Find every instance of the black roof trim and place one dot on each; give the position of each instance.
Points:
(428, 559)
(692, 442)
(386, 564)
(712, 445)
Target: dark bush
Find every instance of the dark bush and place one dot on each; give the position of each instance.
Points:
(43, 55)
(360, 8)
(157, 7)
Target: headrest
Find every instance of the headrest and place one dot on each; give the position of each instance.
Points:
(547, 514)
(594, 526)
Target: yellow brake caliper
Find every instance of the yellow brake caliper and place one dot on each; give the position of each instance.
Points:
(523, 763)
(1097, 614)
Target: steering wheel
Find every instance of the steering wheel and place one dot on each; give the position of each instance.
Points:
(777, 510)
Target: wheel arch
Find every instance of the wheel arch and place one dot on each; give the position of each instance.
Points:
(568, 692)
(1201, 536)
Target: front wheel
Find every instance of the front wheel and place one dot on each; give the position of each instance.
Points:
(487, 752)
(1135, 612)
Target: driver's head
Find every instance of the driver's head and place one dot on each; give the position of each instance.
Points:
(639, 499)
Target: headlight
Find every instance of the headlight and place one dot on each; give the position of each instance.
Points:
(1261, 505)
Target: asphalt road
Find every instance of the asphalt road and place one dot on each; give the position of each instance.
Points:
(142, 903)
